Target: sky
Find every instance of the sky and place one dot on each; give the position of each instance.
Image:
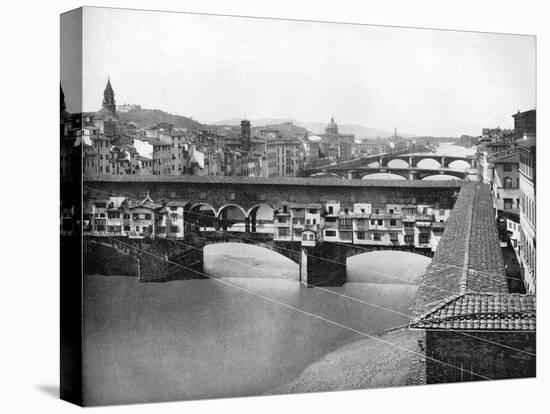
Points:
(211, 68)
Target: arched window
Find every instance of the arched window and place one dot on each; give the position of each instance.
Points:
(507, 182)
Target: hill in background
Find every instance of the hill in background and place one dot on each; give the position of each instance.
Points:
(145, 118)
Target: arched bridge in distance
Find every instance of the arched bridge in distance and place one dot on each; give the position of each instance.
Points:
(409, 167)
(321, 263)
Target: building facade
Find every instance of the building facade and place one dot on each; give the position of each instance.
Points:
(527, 220)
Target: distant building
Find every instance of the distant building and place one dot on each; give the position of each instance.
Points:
(505, 182)
(245, 135)
(284, 157)
(525, 122)
(127, 107)
(334, 145)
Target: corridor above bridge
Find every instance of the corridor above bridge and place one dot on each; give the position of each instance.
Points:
(248, 192)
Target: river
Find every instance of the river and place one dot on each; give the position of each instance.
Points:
(249, 330)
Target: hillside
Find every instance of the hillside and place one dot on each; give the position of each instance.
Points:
(144, 118)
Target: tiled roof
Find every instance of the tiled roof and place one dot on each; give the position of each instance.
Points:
(501, 312)
(468, 257)
(295, 181)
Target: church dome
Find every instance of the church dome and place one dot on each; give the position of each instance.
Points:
(331, 128)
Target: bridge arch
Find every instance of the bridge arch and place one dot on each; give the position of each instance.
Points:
(264, 223)
(459, 165)
(428, 162)
(447, 176)
(407, 266)
(201, 216)
(397, 163)
(232, 217)
(378, 175)
(327, 174)
(240, 259)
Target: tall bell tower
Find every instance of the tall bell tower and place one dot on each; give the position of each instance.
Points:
(109, 97)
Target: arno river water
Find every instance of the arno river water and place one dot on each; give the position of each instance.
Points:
(207, 338)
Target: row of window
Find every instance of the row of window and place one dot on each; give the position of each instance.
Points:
(423, 238)
(528, 208)
(527, 165)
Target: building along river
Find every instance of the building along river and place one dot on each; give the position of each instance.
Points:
(206, 338)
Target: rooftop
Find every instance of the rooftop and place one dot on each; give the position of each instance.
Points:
(295, 181)
(468, 258)
(513, 157)
(478, 311)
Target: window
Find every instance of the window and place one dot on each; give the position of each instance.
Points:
(284, 232)
(372, 222)
(507, 182)
(376, 211)
(330, 233)
(147, 216)
(409, 238)
(361, 235)
(126, 228)
(376, 236)
(391, 210)
(394, 237)
(330, 210)
(508, 203)
(424, 238)
(232, 196)
(346, 235)
(380, 222)
(345, 221)
(174, 229)
(393, 222)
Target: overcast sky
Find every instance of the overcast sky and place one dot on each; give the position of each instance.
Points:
(212, 68)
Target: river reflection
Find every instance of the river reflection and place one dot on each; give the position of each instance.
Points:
(219, 338)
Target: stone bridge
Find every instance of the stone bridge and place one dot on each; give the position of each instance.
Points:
(162, 260)
(370, 164)
(413, 159)
(322, 264)
(409, 173)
